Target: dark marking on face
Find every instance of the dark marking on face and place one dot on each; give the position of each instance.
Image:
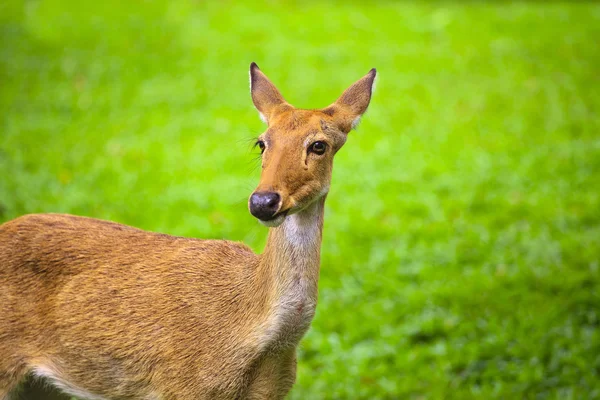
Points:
(329, 111)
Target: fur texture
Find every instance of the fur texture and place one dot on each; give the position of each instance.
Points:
(107, 311)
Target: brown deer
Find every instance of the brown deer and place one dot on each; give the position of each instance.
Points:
(106, 311)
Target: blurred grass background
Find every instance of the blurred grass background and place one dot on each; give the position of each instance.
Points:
(462, 238)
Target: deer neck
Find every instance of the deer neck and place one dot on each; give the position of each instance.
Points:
(290, 267)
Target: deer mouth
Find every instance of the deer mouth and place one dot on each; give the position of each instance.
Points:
(274, 221)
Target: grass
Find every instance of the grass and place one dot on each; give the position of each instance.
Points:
(462, 241)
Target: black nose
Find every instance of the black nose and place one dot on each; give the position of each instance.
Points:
(264, 205)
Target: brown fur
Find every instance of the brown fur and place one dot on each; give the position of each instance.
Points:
(107, 311)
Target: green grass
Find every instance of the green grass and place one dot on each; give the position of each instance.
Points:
(461, 254)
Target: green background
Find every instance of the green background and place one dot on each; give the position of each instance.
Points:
(462, 236)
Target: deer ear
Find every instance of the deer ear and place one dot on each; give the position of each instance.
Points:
(353, 103)
(265, 96)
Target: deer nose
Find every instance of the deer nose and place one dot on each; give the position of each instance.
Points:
(264, 205)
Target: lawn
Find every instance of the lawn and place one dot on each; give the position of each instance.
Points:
(461, 252)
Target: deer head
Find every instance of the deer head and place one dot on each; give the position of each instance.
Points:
(299, 145)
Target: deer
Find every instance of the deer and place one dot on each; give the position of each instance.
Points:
(105, 311)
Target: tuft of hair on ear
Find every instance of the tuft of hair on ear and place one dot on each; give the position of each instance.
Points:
(353, 103)
(265, 95)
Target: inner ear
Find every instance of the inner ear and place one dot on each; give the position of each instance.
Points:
(265, 95)
(353, 103)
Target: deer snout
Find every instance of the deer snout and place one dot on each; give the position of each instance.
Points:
(264, 205)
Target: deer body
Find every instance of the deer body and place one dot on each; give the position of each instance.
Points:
(106, 311)
(157, 317)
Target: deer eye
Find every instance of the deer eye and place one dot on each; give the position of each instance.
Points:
(318, 148)
(261, 146)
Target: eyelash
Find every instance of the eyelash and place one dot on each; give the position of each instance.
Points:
(261, 145)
